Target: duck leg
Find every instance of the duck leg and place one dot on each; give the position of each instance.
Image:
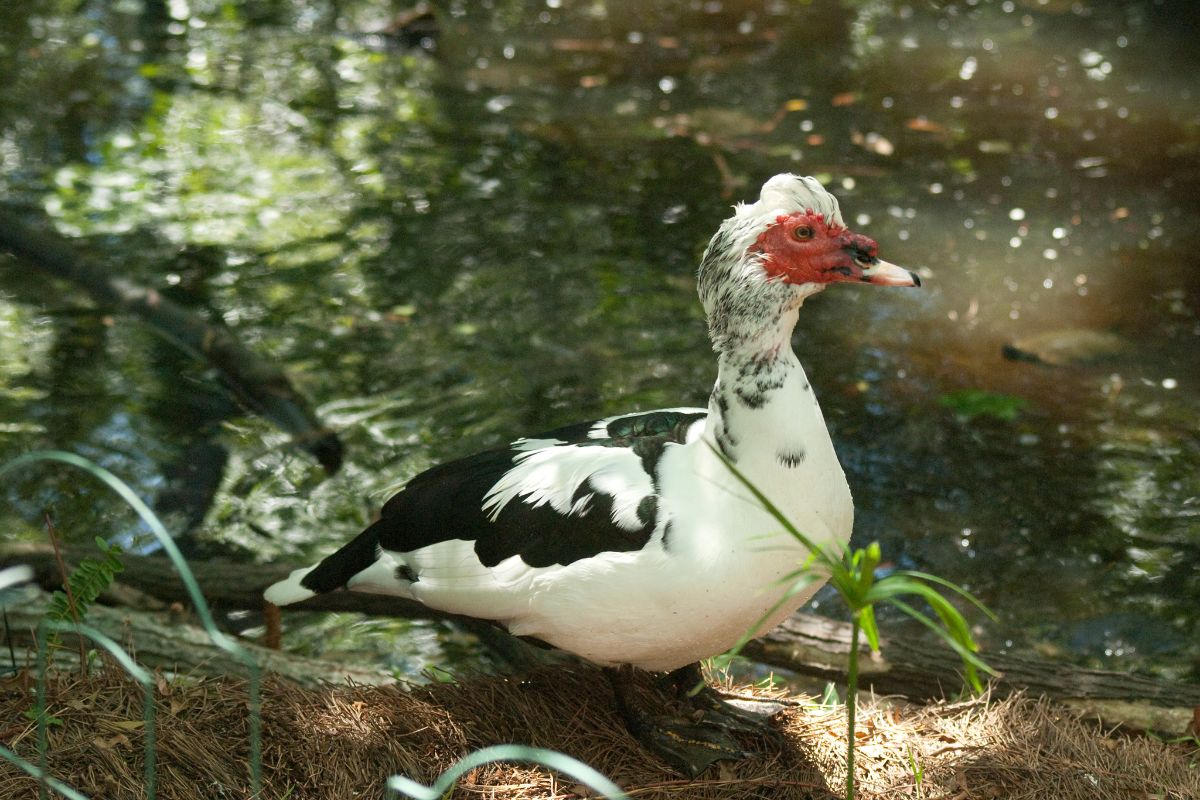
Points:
(688, 682)
(689, 746)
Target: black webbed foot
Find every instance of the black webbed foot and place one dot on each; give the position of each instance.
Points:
(694, 741)
(689, 681)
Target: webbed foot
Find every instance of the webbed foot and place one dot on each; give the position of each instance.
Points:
(690, 682)
(690, 748)
(691, 743)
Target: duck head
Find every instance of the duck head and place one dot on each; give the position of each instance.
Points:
(772, 254)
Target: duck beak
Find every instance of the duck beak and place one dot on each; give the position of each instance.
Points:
(882, 273)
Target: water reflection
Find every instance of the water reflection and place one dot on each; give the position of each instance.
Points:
(487, 224)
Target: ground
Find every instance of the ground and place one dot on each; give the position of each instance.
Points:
(343, 741)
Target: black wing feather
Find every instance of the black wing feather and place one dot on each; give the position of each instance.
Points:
(446, 502)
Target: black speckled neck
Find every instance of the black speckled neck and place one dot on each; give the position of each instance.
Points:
(752, 369)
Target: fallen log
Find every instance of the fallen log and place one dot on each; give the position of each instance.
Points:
(923, 669)
(920, 669)
(171, 643)
(226, 584)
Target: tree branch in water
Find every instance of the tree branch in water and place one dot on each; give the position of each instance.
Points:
(257, 383)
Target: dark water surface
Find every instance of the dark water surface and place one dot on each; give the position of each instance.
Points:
(456, 231)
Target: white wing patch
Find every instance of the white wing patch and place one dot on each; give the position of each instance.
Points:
(554, 474)
(535, 444)
(452, 579)
(381, 577)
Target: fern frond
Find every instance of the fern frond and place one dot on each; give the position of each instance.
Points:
(87, 582)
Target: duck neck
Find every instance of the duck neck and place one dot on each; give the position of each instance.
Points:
(754, 403)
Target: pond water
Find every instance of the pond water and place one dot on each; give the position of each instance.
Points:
(457, 228)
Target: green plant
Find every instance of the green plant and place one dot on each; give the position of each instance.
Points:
(85, 583)
(918, 771)
(49, 719)
(48, 627)
(971, 403)
(829, 696)
(852, 574)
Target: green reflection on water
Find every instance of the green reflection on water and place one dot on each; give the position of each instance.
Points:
(453, 246)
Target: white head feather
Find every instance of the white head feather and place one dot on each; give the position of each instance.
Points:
(787, 194)
(732, 284)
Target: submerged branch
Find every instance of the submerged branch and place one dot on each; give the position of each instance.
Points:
(259, 384)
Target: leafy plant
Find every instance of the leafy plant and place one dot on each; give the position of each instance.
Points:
(32, 715)
(85, 583)
(852, 574)
(971, 403)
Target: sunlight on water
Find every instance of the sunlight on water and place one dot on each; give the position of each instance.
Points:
(457, 229)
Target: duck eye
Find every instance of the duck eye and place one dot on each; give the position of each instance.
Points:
(803, 232)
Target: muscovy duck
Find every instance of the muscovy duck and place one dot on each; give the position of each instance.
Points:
(627, 540)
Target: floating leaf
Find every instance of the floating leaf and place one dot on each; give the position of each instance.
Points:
(924, 125)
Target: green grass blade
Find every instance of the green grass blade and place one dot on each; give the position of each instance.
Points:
(870, 627)
(894, 586)
(954, 587)
(964, 652)
(950, 616)
(972, 663)
(550, 759)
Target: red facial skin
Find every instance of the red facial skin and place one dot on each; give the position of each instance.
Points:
(822, 252)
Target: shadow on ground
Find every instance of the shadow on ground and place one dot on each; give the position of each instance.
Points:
(343, 741)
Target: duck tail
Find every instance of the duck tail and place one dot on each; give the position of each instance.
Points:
(331, 573)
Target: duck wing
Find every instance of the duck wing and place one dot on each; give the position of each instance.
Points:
(551, 499)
